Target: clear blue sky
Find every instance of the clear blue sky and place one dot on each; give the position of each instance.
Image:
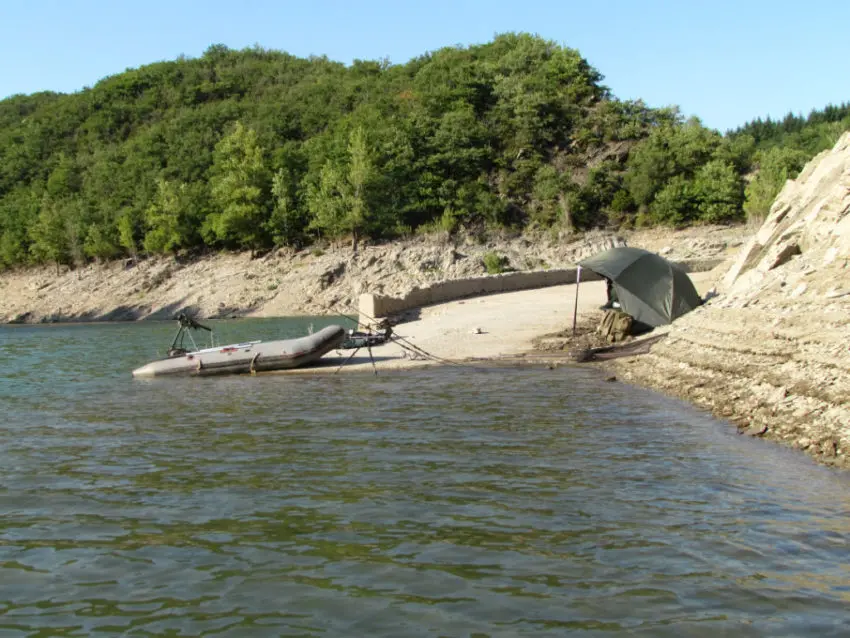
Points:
(724, 61)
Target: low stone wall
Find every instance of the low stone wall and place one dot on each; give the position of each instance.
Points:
(381, 306)
(372, 306)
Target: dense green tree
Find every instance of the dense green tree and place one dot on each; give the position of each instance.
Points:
(238, 183)
(288, 220)
(548, 193)
(341, 203)
(129, 230)
(812, 134)
(49, 234)
(64, 180)
(166, 218)
(596, 194)
(776, 166)
(738, 151)
(326, 201)
(255, 147)
(361, 175)
(676, 204)
(670, 150)
(75, 225)
(720, 192)
(286, 224)
(102, 240)
(18, 212)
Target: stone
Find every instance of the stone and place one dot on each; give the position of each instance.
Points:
(779, 395)
(798, 291)
(331, 275)
(829, 448)
(779, 254)
(756, 430)
(835, 293)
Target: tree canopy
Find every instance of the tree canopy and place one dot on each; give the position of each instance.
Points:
(255, 148)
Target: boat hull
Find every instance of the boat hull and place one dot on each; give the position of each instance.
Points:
(241, 358)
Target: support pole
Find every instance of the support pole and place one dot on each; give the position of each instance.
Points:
(575, 303)
(347, 360)
(372, 359)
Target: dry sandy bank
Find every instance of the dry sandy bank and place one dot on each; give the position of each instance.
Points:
(485, 328)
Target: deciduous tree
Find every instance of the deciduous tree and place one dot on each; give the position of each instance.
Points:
(238, 186)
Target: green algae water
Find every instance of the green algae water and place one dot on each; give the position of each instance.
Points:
(442, 502)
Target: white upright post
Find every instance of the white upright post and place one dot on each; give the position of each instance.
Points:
(575, 303)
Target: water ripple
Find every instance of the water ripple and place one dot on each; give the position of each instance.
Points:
(487, 502)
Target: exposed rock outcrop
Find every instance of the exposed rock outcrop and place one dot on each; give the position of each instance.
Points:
(772, 351)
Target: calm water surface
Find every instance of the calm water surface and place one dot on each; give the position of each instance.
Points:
(446, 502)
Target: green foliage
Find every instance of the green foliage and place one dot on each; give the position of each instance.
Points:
(675, 204)
(361, 175)
(78, 233)
(776, 165)
(129, 225)
(326, 201)
(342, 202)
(245, 149)
(495, 263)
(238, 183)
(18, 212)
(714, 195)
(49, 234)
(670, 150)
(166, 218)
(102, 241)
(547, 195)
(738, 151)
(812, 134)
(622, 209)
(64, 180)
(286, 224)
(622, 202)
(445, 223)
(720, 192)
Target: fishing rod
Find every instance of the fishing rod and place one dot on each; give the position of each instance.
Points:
(403, 343)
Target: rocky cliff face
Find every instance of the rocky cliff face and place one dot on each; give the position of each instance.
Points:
(772, 351)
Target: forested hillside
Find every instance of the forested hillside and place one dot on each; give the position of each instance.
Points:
(783, 147)
(254, 148)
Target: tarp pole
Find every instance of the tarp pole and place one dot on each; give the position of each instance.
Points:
(575, 303)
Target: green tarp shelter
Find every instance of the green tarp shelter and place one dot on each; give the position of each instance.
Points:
(651, 289)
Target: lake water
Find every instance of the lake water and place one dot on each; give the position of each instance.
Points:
(456, 501)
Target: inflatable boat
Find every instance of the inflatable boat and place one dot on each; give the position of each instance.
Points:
(241, 358)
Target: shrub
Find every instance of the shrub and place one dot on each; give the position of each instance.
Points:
(495, 263)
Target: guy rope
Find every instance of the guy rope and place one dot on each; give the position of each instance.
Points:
(368, 339)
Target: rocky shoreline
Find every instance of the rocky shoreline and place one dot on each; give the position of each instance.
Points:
(771, 353)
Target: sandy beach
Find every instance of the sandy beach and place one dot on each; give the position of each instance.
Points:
(489, 327)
